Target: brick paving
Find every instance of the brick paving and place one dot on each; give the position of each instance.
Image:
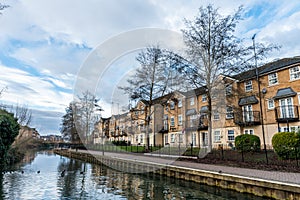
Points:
(284, 177)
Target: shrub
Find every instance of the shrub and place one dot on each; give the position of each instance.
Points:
(247, 143)
(286, 144)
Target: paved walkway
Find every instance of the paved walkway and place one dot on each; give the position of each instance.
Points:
(284, 177)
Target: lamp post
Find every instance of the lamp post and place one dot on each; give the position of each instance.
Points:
(260, 99)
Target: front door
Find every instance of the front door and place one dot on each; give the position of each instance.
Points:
(286, 108)
(204, 139)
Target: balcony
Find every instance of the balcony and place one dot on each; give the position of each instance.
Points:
(197, 124)
(247, 118)
(285, 114)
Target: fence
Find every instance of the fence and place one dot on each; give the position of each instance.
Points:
(223, 154)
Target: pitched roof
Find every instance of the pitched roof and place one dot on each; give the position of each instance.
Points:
(267, 68)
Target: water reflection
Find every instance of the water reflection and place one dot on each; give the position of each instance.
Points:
(85, 181)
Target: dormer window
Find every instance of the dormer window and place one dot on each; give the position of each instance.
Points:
(204, 98)
(179, 103)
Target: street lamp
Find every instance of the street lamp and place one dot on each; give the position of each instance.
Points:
(260, 99)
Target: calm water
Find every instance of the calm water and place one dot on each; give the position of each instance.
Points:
(87, 181)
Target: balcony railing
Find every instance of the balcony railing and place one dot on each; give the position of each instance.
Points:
(288, 113)
(201, 123)
(247, 118)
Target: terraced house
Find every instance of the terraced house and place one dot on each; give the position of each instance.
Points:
(261, 101)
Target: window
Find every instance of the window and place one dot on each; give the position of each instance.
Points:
(194, 139)
(271, 104)
(166, 127)
(248, 86)
(229, 112)
(204, 98)
(141, 138)
(172, 105)
(273, 79)
(295, 73)
(192, 101)
(172, 121)
(228, 89)
(180, 138)
(217, 136)
(166, 139)
(142, 109)
(193, 122)
(231, 135)
(172, 138)
(179, 120)
(216, 115)
(137, 139)
(249, 131)
(179, 103)
(299, 99)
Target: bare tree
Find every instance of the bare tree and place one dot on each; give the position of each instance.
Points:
(212, 50)
(84, 114)
(22, 113)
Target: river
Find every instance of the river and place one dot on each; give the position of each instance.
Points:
(41, 176)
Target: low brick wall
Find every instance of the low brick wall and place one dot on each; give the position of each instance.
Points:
(273, 189)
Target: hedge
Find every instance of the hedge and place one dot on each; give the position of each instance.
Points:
(286, 144)
(247, 143)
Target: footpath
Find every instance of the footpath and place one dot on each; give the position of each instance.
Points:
(292, 179)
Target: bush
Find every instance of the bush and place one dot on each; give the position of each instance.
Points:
(286, 144)
(247, 143)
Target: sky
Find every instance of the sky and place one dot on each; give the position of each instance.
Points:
(45, 46)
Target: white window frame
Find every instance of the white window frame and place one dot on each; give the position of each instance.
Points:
(192, 101)
(273, 104)
(217, 136)
(229, 114)
(230, 136)
(216, 115)
(172, 121)
(228, 90)
(204, 97)
(179, 103)
(249, 131)
(273, 79)
(299, 98)
(179, 120)
(295, 73)
(172, 138)
(180, 137)
(141, 138)
(172, 105)
(194, 139)
(248, 86)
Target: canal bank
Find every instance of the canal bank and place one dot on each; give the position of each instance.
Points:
(278, 185)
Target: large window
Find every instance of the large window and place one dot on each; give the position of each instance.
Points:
(172, 105)
(179, 120)
(172, 121)
(194, 139)
(217, 136)
(141, 138)
(230, 135)
(295, 73)
(192, 101)
(228, 89)
(248, 86)
(229, 112)
(273, 79)
(172, 138)
(179, 103)
(204, 98)
(216, 115)
(180, 137)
